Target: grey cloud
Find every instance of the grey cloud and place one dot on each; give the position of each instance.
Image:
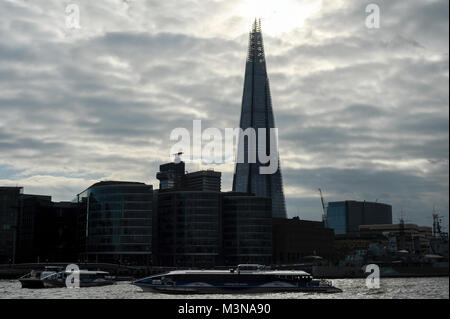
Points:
(350, 101)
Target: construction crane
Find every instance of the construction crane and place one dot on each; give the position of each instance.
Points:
(324, 216)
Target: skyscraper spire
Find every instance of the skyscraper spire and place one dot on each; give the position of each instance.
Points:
(255, 44)
(256, 112)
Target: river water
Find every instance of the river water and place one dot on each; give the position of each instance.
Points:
(398, 288)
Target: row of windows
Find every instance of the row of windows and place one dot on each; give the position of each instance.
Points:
(246, 243)
(121, 247)
(248, 221)
(180, 214)
(164, 211)
(120, 197)
(197, 250)
(192, 203)
(247, 214)
(248, 236)
(190, 227)
(120, 223)
(190, 234)
(256, 250)
(117, 206)
(188, 196)
(243, 208)
(120, 231)
(120, 214)
(196, 219)
(189, 250)
(122, 189)
(246, 228)
(190, 242)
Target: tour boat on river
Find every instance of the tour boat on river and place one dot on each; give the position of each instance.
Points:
(87, 278)
(34, 278)
(243, 279)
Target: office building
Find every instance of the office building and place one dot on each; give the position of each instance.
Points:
(247, 229)
(118, 222)
(10, 204)
(171, 175)
(35, 229)
(208, 180)
(346, 216)
(189, 228)
(199, 226)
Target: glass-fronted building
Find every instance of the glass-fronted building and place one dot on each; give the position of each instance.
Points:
(247, 229)
(189, 224)
(346, 216)
(118, 222)
(336, 217)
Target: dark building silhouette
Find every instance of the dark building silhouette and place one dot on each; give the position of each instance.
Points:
(9, 219)
(118, 222)
(171, 175)
(406, 236)
(247, 229)
(35, 229)
(295, 239)
(66, 221)
(257, 113)
(199, 226)
(208, 180)
(189, 228)
(346, 217)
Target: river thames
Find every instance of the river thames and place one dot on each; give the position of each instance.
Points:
(390, 288)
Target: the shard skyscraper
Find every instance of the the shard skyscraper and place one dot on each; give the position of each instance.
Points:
(257, 113)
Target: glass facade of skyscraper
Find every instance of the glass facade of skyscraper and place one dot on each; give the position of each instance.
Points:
(257, 113)
(118, 222)
(247, 229)
(189, 228)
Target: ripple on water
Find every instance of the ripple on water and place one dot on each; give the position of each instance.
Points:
(399, 288)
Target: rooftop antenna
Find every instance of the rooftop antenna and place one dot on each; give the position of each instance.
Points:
(177, 158)
(437, 229)
(402, 219)
(254, 25)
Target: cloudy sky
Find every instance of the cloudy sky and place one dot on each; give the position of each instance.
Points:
(362, 112)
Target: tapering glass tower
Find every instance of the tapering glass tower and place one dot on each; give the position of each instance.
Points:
(257, 113)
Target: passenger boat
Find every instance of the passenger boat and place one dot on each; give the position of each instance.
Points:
(243, 279)
(34, 278)
(87, 279)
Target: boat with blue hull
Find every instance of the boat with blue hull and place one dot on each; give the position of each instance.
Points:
(243, 279)
(34, 278)
(86, 279)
